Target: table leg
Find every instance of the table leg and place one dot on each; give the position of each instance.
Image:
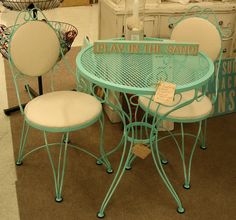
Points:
(158, 164)
(126, 157)
(138, 132)
(120, 172)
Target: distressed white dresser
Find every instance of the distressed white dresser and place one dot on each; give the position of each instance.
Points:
(157, 19)
(157, 23)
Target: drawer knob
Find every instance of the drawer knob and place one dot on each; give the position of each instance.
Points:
(221, 23)
(171, 26)
(224, 50)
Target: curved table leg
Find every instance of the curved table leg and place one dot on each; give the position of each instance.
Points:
(158, 164)
(120, 172)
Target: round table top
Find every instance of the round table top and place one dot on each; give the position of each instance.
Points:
(140, 73)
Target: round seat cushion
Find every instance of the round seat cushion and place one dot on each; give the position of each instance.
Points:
(62, 109)
(197, 110)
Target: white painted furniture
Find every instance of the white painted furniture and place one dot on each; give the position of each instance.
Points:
(157, 19)
(157, 23)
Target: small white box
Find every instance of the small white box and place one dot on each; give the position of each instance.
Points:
(111, 114)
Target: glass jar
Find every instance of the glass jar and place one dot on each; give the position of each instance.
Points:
(134, 19)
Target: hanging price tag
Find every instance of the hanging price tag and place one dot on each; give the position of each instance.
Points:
(141, 150)
(165, 93)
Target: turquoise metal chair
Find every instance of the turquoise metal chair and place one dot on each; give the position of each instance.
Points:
(199, 30)
(34, 50)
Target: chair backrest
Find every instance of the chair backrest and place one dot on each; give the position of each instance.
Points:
(86, 42)
(83, 84)
(201, 31)
(34, 48)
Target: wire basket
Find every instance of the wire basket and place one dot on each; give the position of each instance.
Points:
(20, 5)
(66, 33)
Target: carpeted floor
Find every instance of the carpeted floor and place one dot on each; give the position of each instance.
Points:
(141, 194)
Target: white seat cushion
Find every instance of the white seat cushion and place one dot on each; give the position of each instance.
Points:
(62, 109)
(192, 112)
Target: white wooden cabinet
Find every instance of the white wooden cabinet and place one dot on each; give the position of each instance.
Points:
(157, 24)
(156, 20)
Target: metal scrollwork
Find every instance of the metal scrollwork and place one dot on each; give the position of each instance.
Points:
(99, 92)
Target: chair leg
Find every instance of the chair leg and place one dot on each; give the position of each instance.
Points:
(24, 135)
(203, 135)
(58, 174)
(103, 158)
(187, 169)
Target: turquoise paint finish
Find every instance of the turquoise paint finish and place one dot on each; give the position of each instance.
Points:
(58, 164)
(139, 74)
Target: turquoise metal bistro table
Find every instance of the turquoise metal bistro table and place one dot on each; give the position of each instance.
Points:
(139, 74)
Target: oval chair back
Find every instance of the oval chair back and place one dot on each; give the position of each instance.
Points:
(201, 31)
(34, 48)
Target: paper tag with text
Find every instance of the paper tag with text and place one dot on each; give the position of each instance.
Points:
(165, 93)
(141, 150)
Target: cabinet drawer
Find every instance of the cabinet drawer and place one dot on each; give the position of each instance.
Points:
(233, 49)
(226, 47)
(150, 26)
(164, 25)
(227, 23)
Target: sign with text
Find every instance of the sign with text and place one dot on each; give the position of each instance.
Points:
(165, 93)
(226, 101)
(145, 47)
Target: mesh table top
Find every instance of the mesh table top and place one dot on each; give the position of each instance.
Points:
(139, 73)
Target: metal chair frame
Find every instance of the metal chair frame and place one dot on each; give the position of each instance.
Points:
(59, 169)
(200, 136)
